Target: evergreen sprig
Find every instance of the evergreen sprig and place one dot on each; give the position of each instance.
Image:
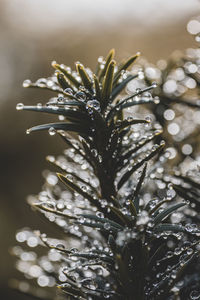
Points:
(120, 241)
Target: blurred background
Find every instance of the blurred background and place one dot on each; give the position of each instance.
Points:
(32, 34)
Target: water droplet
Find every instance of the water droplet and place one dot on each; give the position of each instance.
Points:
(103, 203)
(52, 131)
(53, 63)
(94, 152)
(177, 251)
(21, 236)
(162, 143)
(28, 131)
(129, 119)
(197, 38)
(32, 241)
(39, 105)
(147, 96)
(60, 99)
(81, 219)
(191, 227)
(70, 177)
(50, 205)
(74, 250)
(84, 188)
(154, 85)
(41, 82)
(100, 59)
(189, 251)
(43, 281)
(170, 185)
(138, 90)
(60, 246)
(173, 275)
(140, 74)
(107, 226)
(19, 106)
(61, 117)
(26, 83)
(187, 149)
(148, 119)
(99, 214)
(169, 114)
(170, 86)
(52, 179)
(193, 27)
(106, 296)
(100, 158)
(81, 96)
(156, 100)
(195, 295)
(68, 91)
(93, 104)
(50, 158)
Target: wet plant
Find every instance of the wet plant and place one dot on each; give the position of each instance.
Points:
(127, 230)
(177, 96)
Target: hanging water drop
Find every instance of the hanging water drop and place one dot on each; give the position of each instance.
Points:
(156, 100)
(197, 38)
(138, 90)
(41, 82)
(148, 119)
(68, 91)
(141, 74)
(60, 99)
(107, 226)
(99, 214)
(74, 250)
(39, 105)
(94, 152)
(81, 96)
(154, 85)
(189, 251)
(53, 63)
(93, 104)
(194, 295)
(84, 188)
(147, 96)
(129, 119)
(191, 227)
(26, 83)
(52, 131)
(20, 106)
(60, 246)
(70, 177)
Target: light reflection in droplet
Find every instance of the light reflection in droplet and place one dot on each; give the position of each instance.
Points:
(169, 114)
(170, 86)
(21, 237)
(43, 280)
(187, 149)
(173, 128)
(35, 271)
(172, 152)
(52, 179)
(193, 27)
(32, 241)
(190, 83)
